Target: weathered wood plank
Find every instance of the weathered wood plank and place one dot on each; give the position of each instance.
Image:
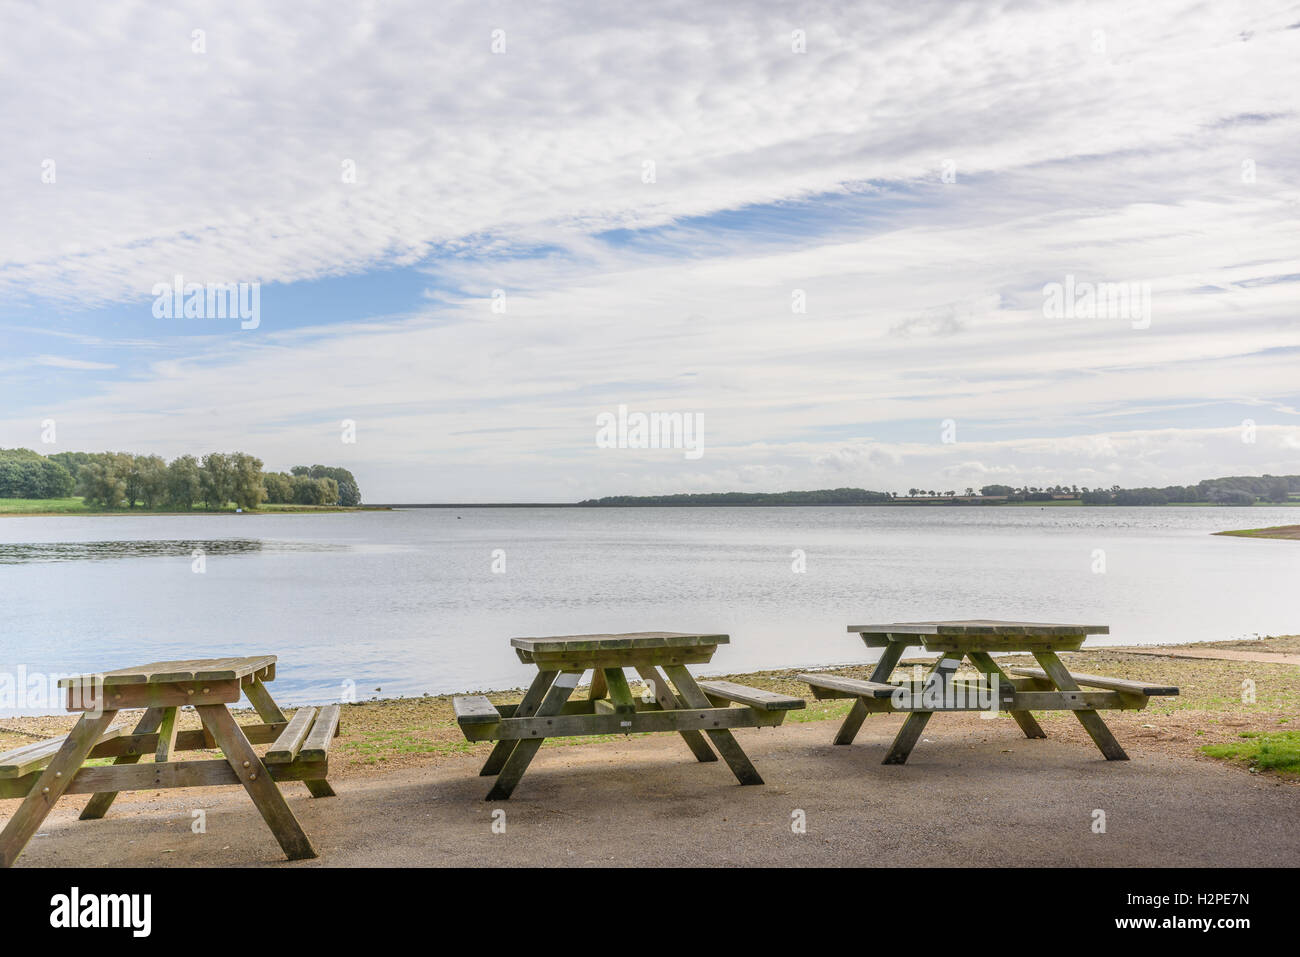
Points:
(753, 697)
(166, 735)
(848, 687)
(1098, 681)
(190, 670)
(322, 734)
(980, 626)
(118, 697)
(206, 772)
(260, 698)
(287, 746)
(620, 693)
(586, 660)
(474, 709)
(633, 641)
(640, 722)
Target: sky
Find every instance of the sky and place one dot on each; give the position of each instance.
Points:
(823, 230)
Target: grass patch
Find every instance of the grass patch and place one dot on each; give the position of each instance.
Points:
(1278, 751)
(1273, 531)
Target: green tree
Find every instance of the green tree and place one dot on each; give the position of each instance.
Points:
(147, 481)
(216, 480)
(183, 486)
(102, 480)
(246, 480)
(279, 487)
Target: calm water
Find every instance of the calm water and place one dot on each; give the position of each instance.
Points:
(407, 601)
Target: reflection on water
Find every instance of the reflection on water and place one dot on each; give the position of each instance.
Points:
(24, 553)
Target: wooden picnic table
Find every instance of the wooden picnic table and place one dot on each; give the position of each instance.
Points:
(45, 771)
(1049, 688)
(686, 706)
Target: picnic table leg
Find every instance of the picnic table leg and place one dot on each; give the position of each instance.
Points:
(722, 739)
(910, 733)
(858, 713)
(58, 774)
(533, 697)
(1090, 719)
(669, 702)
(101, 801)
(984, 662)
(525, 749)
(598, 688)
(257, 781)
(260, 697)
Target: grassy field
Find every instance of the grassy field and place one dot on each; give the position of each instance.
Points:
(75, 506)
(1209, 720)
(1276, 531)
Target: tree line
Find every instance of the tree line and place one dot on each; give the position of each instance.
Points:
(121, 479)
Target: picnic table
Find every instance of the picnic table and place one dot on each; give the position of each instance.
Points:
(45, 771)
(692, 709)
(1049, 688)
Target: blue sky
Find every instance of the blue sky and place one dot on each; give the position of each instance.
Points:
(502, 267)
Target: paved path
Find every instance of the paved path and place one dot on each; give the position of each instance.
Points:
(979, 795)
(1215, 654)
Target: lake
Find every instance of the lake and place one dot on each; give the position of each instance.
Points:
(408, 602)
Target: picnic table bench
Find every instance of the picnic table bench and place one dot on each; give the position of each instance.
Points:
(1049, 688)
(43, 772)
(695, 710)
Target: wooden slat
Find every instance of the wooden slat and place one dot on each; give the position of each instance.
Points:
(317, 745)
(31, 757)
(1098, 681)
(287, 746)
(584, 660)
(166, 735)
(123, 696)
(633, 641)
(754, 697)
(981, 626)
(475, 709)
(576, 725)
(852, 687)
(164, 672)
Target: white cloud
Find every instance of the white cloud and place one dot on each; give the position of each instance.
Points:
(924, 299)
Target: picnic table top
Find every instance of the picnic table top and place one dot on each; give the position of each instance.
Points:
(981, 626)
(631, 641)
(165, 672)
